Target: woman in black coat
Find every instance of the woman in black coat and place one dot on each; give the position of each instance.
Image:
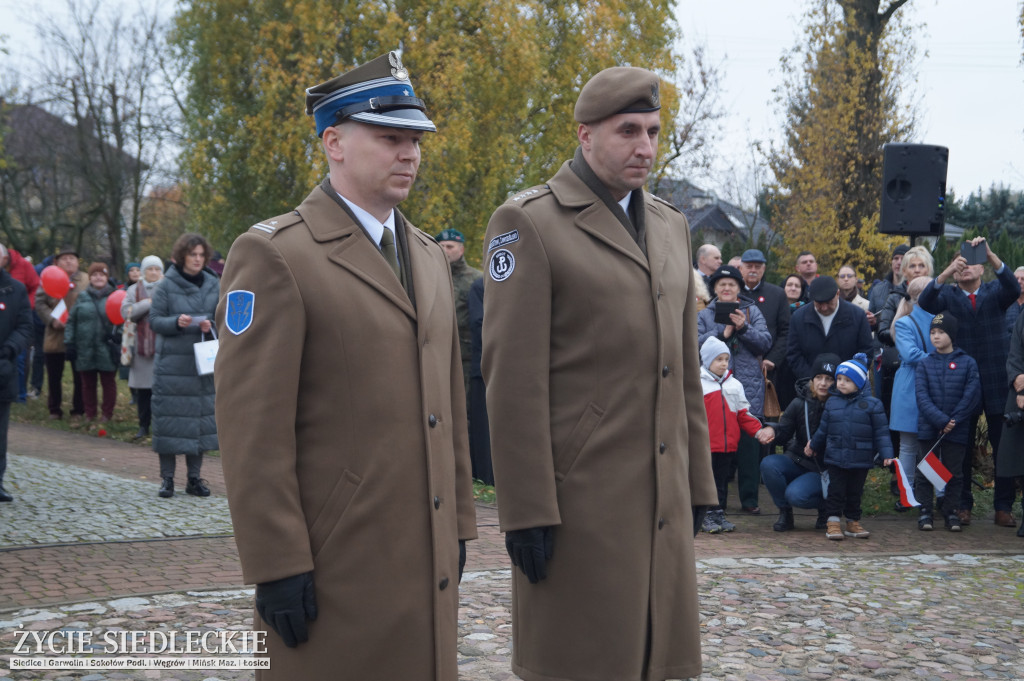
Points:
(1010, 462)
(181, 314)
(15, 336)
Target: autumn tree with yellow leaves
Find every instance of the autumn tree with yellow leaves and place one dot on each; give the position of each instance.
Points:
(500, 80)
(843, 98)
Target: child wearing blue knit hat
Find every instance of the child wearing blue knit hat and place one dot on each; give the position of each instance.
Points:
(853, 436)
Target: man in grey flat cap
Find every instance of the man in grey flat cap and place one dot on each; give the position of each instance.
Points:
(598, 430)
(340, 407)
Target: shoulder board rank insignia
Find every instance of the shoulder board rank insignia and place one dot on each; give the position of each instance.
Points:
(273, 224)
(530, 194)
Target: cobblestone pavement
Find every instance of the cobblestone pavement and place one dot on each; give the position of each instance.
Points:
(901, 605)
(65, 504)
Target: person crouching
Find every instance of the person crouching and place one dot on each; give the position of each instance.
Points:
(854, 436)
(727, 408)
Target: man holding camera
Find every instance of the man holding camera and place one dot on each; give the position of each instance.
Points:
(981, 310)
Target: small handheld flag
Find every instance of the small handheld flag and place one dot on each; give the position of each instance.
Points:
(936, 473)
(907, 498)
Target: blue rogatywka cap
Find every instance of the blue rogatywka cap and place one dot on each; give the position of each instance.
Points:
(378, 92)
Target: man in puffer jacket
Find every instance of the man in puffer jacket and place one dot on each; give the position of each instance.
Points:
(728, 414)
(852, 431)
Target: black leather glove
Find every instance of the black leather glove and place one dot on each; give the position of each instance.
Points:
(462, 558)
(286, 604)
(530, 549)
(71, 352)
(698, 517)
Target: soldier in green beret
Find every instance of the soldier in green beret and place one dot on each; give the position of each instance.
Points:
(599, 436)
(463, 276)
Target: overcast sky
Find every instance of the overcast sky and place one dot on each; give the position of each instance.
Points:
(969, 81)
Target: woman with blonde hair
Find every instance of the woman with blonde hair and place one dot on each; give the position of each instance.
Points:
(911, 333)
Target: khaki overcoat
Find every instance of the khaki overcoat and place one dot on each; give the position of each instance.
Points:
(342, 452)
(598, 428)
(53, 339)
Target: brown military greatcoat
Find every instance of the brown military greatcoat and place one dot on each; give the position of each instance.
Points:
(342, 451)
(598, 428)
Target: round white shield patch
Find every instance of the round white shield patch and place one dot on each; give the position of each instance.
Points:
(502, 265)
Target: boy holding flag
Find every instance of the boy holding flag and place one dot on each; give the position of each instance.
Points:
(948, 393)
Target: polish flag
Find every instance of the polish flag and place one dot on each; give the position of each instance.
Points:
(60, 311)
(907, 498)
(933, 469)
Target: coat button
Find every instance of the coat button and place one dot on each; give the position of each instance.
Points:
(443, 585)
(661, 448)
(664, 370)
(432, 420)
(661, 523)
(437, 502)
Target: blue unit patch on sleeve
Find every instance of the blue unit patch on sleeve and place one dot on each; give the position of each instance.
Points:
(503, 240)
(239, 316)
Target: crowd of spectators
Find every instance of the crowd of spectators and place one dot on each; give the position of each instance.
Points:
(148, 333)
(807, 328)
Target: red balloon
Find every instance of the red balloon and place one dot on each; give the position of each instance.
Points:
(114, 306)
(55, 281)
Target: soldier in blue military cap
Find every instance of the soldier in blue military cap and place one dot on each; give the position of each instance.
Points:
(339, 390)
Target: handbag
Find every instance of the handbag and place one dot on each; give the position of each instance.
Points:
(206, 353)
(772, 408)
(127, 343)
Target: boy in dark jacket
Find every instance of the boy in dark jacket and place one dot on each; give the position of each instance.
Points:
(728, 414)
(854, 435)
(948, 393)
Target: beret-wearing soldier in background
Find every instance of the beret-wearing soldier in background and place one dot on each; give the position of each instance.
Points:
(340, 406)
(463, 276)
(598, 430)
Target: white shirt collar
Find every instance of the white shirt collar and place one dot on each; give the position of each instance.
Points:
(625, 202)
(373, 226)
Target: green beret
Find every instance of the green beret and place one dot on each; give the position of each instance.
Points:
(450, 235)
(620, 89)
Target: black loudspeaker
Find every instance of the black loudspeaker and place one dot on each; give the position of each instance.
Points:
(914, 189)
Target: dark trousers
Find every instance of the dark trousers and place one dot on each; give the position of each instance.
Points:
(38, 359)
(723, 467)
(951, 454)
(748, 464)
(1004, 491)
(21, 360)
(193, 463)
(54, 374)
(479, 437)
(845, 489)
(143, 402)
(5, 419)
(106, 379)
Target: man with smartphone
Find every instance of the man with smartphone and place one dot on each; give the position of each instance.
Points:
(981, 309)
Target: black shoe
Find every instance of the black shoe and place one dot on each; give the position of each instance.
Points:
(924, 523)
(785, 521)
(197, 487)
(143, 432)
(822, 522)
(4, 496)
(900, 508)
(167, 488)
(953, 522)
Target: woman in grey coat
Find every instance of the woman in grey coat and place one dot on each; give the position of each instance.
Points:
(181, 314)
(135, 308)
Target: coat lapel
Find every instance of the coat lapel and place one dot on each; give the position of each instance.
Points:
(595, 218)
(424, 271)
(354, 251)
(657, 242)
